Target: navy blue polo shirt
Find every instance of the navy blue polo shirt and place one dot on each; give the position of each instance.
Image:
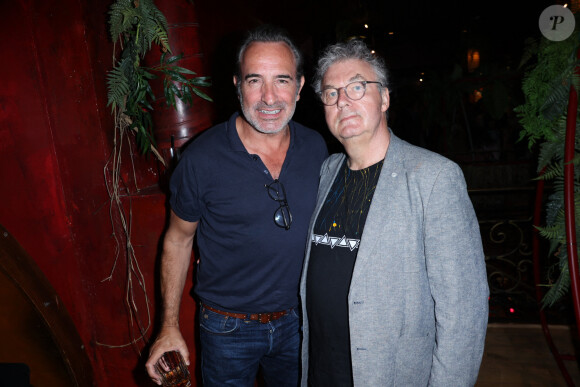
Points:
(247, 263)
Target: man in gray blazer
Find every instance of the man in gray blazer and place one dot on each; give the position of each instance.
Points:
(394, 287)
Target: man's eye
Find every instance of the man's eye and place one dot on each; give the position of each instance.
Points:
(253, 81)
(331, 93)
(357, 87)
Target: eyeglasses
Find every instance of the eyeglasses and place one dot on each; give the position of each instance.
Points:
(282, 216)
(354, 90)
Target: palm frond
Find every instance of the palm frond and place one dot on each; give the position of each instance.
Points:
(546, 86)
(558, 289)
(551, 172)
(118, 84)
(118, 21)
(555, 232)
(549, 152)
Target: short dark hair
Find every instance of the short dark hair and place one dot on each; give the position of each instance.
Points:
(269, 34)
(353, 49)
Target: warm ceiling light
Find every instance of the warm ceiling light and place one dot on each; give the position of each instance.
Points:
(475, 96)
(366, 26)
(472, 60)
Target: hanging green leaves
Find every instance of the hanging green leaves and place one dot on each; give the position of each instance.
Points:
(136, 25)
(546, 86)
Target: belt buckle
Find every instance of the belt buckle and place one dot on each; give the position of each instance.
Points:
(264, 318)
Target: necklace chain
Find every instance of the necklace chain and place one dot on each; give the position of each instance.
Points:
(357, 195)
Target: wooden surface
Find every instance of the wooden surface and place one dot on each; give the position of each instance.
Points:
(517, 355)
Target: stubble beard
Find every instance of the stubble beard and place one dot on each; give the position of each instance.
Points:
(256, 124)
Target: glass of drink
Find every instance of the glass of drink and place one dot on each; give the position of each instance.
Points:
(173, 371)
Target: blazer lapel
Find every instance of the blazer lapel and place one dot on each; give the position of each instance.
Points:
(377, 222)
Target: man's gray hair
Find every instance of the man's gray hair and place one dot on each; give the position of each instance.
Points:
(269, 34)
(353, 49)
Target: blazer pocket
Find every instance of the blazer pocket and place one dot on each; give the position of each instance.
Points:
(412, 264)
(413, 360)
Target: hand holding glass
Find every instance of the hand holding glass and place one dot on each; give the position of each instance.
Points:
(172, 370)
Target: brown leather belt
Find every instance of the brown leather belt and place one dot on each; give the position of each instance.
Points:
(261, 317)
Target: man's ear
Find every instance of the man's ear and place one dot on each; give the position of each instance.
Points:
(300, 88)
(236, 86)
(385, 99)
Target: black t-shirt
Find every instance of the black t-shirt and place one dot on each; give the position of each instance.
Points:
(336, 239)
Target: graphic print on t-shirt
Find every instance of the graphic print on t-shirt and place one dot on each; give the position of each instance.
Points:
(335, 242)
(341, 220)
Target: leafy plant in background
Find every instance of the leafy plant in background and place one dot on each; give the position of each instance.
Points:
(546, 86)
(138, 26)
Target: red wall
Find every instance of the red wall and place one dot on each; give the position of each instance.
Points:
(55, 138)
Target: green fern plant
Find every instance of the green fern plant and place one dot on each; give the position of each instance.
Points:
(137, 25)
(546, 86)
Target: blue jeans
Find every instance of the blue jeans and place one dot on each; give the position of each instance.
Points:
(232, 350)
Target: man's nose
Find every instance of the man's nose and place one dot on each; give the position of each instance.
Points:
(342, 99)
(268, 93)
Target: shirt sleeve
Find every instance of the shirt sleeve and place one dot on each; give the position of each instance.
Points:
(184, 189)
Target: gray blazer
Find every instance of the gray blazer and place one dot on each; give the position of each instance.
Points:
(418, 299)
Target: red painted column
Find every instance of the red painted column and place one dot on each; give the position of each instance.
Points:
(569, 209)
(538, 282)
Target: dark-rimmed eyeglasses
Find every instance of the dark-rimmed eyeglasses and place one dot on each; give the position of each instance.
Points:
(354, 90)
(282, 216)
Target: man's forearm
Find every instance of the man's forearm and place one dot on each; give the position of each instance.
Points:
(174, 268)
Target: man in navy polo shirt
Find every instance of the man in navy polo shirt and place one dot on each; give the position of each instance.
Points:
(248, 188)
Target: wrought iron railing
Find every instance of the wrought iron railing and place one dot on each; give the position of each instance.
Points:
(507, 232)
(508, 257)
